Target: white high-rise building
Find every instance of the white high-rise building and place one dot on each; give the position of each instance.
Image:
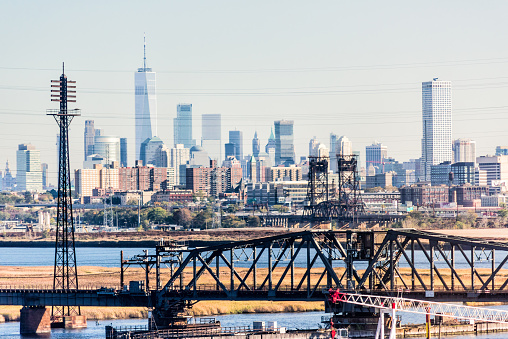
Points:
(437, 124)
(179, 157)
(29, 173)
(464, 150)
(146, 105)
(344, 146)
(313, 147)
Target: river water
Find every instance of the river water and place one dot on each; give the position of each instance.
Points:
(110, 257)
(308, 320)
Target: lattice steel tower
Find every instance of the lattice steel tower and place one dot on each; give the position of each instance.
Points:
(349, 186)
(65, 273)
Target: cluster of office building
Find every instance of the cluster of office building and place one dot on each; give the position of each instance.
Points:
(447, 171)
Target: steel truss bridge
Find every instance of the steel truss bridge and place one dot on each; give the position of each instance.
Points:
(303, 266)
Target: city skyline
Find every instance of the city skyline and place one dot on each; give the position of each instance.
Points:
(348, 88)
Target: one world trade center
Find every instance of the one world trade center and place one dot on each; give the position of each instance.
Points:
(146, 104)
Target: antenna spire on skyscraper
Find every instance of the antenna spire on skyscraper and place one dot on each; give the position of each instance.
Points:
(144, 51)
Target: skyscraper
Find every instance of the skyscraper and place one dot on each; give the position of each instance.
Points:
(284, 142)
(179, 156)
(437, 124)
(271, 142)
(123, 152)
(270, 148)
(29, 173)
(229, 150)
(89, 137)
(146, 104)
(236, 138)
(149, 149)
(375, 155)
(211, 136)
(313, 147)
(8, 180)
(182, 125)
(108, 147)
(44, 170)
(256, 146)
(464, 150)
(344, 146)
(333, 152)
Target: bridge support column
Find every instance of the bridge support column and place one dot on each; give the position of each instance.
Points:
(34, 320)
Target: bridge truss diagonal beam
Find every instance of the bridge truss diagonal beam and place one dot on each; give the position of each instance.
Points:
(422, 307)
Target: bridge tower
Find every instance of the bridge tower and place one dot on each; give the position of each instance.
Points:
(350, 200)
(65, 275)
(322, 204)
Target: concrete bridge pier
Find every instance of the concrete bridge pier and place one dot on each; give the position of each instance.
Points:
(69, 321)
(35, 320)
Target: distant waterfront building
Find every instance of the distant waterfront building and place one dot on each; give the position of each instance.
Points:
(437, 124)
(182, 125)
(440, 174)
(89, 137)
(252, 169)
(8, 181)
(162, 157)
(92, 160)
(284, 173)
(495, 167)
(270, 147)
(333, 152)
(236, 138)
(463, 173)
(179, 157)
(29, 174)
(229, 150)
(44, 170)
(374, 157)
(211, 139)
(148, 150)
(271, 142)
(323, 151)
(284, 143)
(344, 146)
(502, 150)
(123, 152)
(380, 180)
(256, 146)
(198, 157)
(108, 147)
(464, 150)
(313, 147)
(145, 104)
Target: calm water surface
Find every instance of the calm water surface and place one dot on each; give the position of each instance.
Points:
(290, 320)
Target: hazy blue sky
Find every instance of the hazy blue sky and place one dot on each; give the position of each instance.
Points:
(350, 67)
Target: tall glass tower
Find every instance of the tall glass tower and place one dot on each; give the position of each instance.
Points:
(146, 104)
(284, 142)
(89, 137)
(437, 124)
(182, 125)
(236, 138)
(211, 136)
(29, 172)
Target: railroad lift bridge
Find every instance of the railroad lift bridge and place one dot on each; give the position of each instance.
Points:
(301, 266)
